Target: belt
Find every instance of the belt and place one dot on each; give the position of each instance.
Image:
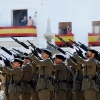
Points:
(44, 77)
(13, 82)
(85, 76)
(35, 83)
(26, 82)
(78, 79)
(60, 81)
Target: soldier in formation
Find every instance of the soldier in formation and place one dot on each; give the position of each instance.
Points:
(45, 79)
(26, 80)
(16, 75)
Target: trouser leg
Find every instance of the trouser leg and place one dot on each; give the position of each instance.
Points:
(44, 94)
(68, 95)
(60, 95)
(52, 95)
(98, 96)
(25, 96)
(6, 97)
(90, 94)
(13, 96)
(35, 96)
(78, 95)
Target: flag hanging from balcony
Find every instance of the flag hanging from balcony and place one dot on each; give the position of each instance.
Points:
(18, 31)
(94, 39)
(65, 37)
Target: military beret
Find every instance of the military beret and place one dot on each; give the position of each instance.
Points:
(27, 57)
(47, 52)
(61, 57)
(18, 60)
(93, 51)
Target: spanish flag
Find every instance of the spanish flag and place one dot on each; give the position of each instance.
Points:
(65, 37)
(94, 39)
(18, 31)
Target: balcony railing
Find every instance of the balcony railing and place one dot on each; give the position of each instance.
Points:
(93, 39)
(65, 37)
(18, 31)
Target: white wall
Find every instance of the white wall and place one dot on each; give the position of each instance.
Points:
(80, 12)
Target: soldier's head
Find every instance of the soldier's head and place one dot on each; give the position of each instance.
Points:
(91, 53)
(29, 17)
(46, 54)
(59, 59)
(17, 63)
(27, 60)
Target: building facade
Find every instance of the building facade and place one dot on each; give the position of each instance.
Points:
(82, 17)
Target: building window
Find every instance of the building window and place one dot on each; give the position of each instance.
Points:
(96, 27)
(65, 28)
(18, 16)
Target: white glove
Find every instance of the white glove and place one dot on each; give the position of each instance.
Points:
(2, 63)
(11, 58)
(73, 50)
(28, 51)
(67, 56)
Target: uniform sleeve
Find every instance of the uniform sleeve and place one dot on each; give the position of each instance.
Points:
(73, 71)
(34, 67)
(89, 63)
(9, 71)
(25, 68)
(39, 62)
(79, 66)
(8, 76)
(71, 63)
(59, 67)
(3, 74)
(98, 64)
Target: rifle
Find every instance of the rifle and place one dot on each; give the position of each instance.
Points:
(74, 42)
(16, 55)
(21, 43)
(36, 54)
(80, 45)
(66, 43)
(27, 47)
(73, 59)
(26, 54)
(79, 51)
(77, 45)
(33, 46)
(83, 46)
(6, 61)
(10, 53)
(62, 51)
(6, 50)
(57, 48)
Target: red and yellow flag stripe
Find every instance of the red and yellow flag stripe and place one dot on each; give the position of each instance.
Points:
(93, 39)
(20, 31)
(65, 37)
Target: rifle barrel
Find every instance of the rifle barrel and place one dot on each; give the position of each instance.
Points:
(32, 45)
(71, 41)
(16, 40)
(52, 45)
(6, 50)
(24, 45)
